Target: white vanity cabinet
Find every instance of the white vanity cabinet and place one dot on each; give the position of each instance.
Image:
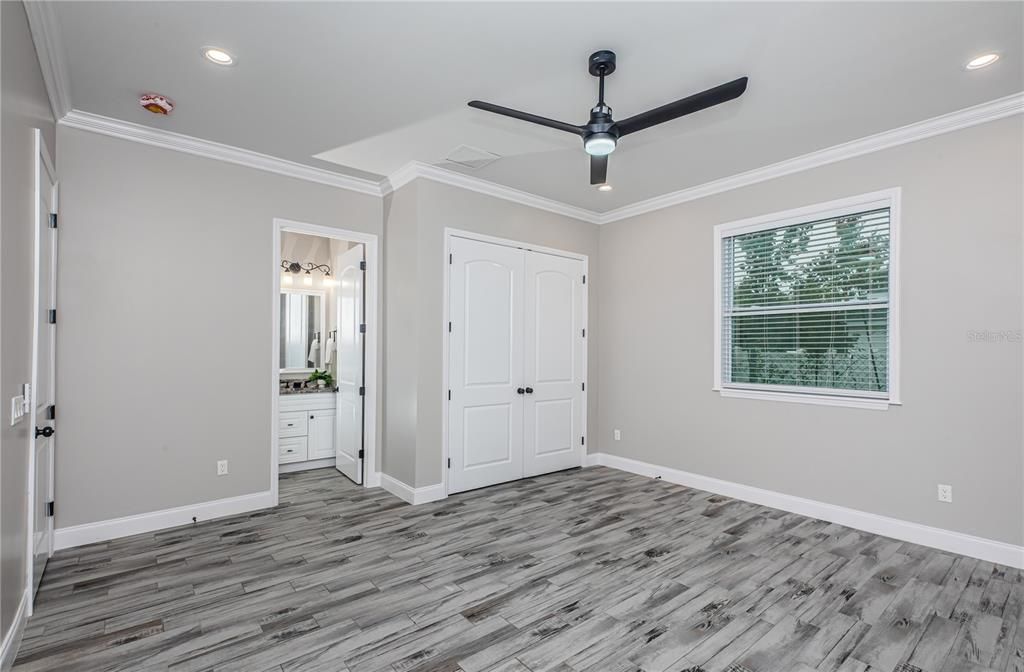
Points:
(306, 427)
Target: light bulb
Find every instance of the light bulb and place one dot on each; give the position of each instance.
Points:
(307, 280)
(286, 278)
(599, 144)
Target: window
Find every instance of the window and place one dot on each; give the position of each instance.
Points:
(806, 304)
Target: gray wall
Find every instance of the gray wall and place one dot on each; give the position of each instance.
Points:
(415, 296)
(160, 373)
(25, 107)
(961, 419)
(401, 333)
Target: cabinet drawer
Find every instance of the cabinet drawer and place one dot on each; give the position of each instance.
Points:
(293, 423)
(291, 449)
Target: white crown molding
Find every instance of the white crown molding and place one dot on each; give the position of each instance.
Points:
(411, 495)
(954, 121)
(45, 31)
(156, 137)
(934, 537)
(418, 169)
(104, 530)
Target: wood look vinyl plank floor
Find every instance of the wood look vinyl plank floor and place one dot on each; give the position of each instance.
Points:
(588, 570)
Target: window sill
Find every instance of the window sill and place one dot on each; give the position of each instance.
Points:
(816, 399)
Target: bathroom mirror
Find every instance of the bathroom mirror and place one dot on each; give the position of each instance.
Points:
(302, 330)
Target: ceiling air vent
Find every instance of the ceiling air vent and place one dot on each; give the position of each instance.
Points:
(471, 157)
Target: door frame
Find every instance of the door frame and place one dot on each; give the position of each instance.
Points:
(371, 468)
(41, 152)
(450, 233)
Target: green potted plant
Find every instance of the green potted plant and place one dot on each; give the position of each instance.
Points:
(321, 378)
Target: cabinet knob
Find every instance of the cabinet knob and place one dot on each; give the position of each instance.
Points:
(311, 417)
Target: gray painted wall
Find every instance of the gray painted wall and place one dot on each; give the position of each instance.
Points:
(416, 220)
(401, 333)
(25, 107)
(961, 419)
(160, 374)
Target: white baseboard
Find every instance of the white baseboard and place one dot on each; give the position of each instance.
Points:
(104, 530)
(430, 493)
(292, 467)
(12, 638)
(946, 540)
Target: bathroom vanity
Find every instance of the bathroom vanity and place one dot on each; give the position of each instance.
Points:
(306, 428)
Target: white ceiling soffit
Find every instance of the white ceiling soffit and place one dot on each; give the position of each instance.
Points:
(313, 76)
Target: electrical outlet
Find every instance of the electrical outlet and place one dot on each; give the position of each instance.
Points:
(618, 435)
(945, 493)
(222, 467)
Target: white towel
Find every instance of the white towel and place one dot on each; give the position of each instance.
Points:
(329, 353)
(314, 353)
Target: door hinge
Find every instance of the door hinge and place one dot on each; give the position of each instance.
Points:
(449, 463)
(583, 387)
(53, 220)
(53, 316)
(51, 412)
(49, 509)
(449, 257)
(361, 453)
(449, 395)
(362, 391)
(362, 328)
(583, 440)
(584, 279)
(362, 265)
(584, 333)
(449, 327)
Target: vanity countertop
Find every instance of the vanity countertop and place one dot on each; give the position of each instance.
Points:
(306, 390)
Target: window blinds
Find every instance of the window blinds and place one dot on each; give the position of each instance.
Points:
(805, 307)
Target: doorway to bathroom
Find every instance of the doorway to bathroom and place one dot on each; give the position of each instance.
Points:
(324, 343)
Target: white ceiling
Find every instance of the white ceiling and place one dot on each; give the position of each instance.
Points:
(370, 86)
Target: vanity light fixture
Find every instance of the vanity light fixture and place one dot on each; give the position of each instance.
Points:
(292, 268)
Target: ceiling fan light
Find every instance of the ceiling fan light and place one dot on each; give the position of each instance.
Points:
(599, 144)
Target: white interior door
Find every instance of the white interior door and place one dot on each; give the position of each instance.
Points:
(43, 368)
(485, 421)
(348, 444)
(553, 341)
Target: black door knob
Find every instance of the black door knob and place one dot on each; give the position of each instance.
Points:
(529, 390)
(44, 431)
(520, 390)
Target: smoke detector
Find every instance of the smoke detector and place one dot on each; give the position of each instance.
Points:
(156, 103)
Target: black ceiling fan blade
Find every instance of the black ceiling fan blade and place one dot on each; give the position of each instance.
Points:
(695, 103)
(598, 169)
(526, 116)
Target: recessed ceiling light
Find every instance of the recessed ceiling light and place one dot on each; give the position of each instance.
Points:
(218, 56)
(982, 61)
(604, 187)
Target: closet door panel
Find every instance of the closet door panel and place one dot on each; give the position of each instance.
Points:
(553, 331)
(485, 422)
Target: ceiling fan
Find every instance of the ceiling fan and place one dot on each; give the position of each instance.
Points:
(602, 132)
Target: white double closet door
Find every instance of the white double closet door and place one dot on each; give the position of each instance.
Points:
(516, 363)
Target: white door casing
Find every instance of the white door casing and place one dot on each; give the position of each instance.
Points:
(485, 420)
(350, 362)
(553, 340)
(41, 460)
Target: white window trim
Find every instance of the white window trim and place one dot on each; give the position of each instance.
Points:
(887, 198)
